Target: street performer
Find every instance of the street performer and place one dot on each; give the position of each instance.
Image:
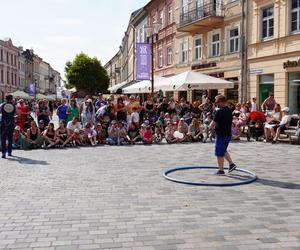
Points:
(7, 124)
(222, 124)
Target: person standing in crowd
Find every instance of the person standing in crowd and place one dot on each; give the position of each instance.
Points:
(222, 124)
(268, 104)
(23, 112)
(43, 112)
(254, 104)
(7, 124)
(73, 110)
(100, 102)
(62, 111)
(88, 113)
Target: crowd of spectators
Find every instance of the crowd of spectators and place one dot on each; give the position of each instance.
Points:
(127, 120)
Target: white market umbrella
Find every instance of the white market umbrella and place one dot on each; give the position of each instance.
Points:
(21, 94)
(40, 96)
(115, 88)
(142, 87)
(191, 80)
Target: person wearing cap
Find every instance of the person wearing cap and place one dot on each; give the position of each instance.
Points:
(282, 125)
(7, 124)
(88, 113)
(222, 124)
(254, 104)
(112, 133)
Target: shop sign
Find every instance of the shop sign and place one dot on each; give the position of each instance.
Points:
(217, 75)
(204, 65)
(255, 71)
(291, 64)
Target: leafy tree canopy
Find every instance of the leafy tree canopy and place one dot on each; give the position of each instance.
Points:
(86, 74)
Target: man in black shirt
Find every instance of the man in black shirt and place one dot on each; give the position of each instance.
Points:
(222, 123)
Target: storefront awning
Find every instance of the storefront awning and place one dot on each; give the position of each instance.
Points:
(142, 87)
(191, 80)
(114, 89)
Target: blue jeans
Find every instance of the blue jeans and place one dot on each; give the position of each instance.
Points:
(221, 145)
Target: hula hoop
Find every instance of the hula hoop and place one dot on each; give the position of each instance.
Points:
(252, 177)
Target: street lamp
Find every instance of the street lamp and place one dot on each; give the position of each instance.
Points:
(152, 31)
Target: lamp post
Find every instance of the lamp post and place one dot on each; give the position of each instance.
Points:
(151, 32)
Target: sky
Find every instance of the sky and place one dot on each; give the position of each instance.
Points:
(57, 30)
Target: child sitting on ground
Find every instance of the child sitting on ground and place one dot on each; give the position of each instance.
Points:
(90, 134)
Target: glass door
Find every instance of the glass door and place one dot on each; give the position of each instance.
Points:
(266, 86)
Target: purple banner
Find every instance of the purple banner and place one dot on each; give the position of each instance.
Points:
(31, 90)
(143, 61)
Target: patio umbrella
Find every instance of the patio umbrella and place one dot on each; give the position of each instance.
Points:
(191, 80)
(40, 96)
(116, 87)
(142, 87)
(21, 94)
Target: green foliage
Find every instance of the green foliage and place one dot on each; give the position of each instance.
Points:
(86, 74)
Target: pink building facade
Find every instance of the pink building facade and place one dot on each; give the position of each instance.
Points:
(9, 58)
(161, 15)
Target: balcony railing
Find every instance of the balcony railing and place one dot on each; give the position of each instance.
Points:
(200, 13)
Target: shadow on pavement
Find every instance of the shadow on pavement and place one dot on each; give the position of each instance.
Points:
(27, 161)
(278, 184)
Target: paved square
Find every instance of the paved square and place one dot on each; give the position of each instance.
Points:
(116, 198)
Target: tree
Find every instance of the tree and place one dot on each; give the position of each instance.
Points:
(86, 74)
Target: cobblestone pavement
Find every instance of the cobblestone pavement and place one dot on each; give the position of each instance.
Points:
(116, 198)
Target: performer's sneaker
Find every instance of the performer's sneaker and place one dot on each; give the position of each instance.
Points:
(220, 172)
(232, 167)
(9, 154)
(3, 156)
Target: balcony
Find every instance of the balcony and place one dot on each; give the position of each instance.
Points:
(201, 17)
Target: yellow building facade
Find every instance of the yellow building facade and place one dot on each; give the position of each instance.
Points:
(208, 41)
(274, 51)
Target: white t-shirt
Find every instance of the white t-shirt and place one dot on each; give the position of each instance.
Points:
(285, 120)
(72, 126)
(253, 107)
(135, 117)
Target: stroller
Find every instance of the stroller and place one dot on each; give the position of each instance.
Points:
(256, 125)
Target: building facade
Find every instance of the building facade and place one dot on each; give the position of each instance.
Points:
(9, 58)
(162, 24)
(21, 68)
(274, 51)
(208, 40)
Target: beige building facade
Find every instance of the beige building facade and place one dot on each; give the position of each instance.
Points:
(208, 41)
(274, 51)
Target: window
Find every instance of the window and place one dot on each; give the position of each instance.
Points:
(200, 8)
(184, 51)
(161, 19)
(234, 40)
(160, 58)
(294, 92)
(198, 49)
(184, 6)
(7, 57)
(12, 59)
(12, 78)
(215, 50)
(267, 22)
(1, 55)
(170, 14)
(170, 56)
(295, 16)
(2, 76)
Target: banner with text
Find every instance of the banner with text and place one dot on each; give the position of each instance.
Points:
(31, 90)
(143, 61)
